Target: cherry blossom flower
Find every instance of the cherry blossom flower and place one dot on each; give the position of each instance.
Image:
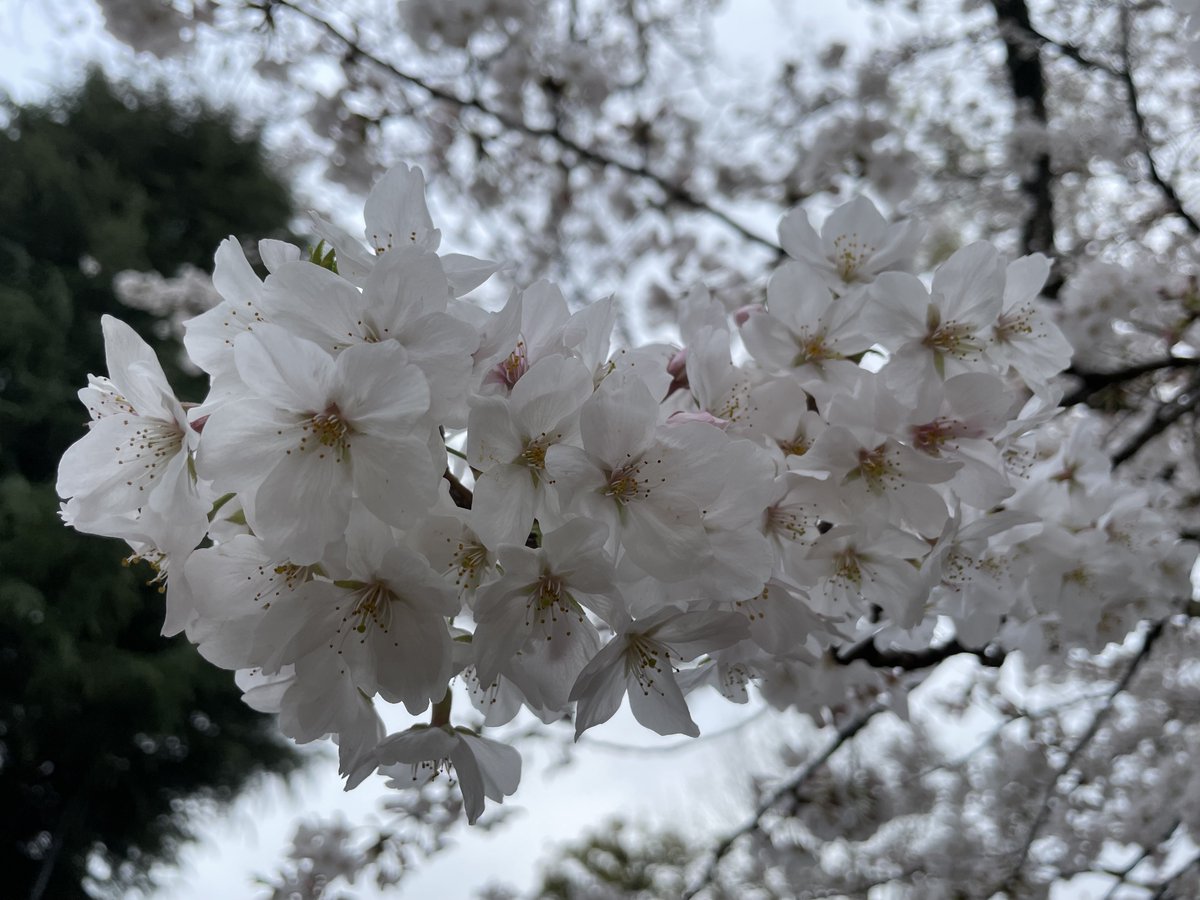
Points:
(314, 432)
(130, 475)
(640, 660)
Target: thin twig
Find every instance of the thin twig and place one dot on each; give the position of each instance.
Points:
(791, 786)
(1139, 121)
(1094, 382)
(675, 193)
(1074, 53)
(1086, 738)
(459, 493)
(1164, 417)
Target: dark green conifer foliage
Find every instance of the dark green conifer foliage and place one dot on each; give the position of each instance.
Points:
(108, 732)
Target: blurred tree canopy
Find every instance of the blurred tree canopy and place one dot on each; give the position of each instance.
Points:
(107, 731)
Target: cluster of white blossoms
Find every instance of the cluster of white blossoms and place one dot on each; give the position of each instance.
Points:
(389, 488)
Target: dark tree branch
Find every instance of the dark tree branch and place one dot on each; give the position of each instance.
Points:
(1164, 417)
(1139, 121)
(1152, 635)
(675, 193)
(1094, 382)
(914, 660)
(791, 786)
(459, 493)
(1074, 53)
(1023, 60)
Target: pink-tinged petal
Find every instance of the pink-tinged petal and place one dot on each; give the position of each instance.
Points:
(740, 562)
(470, 781)
(899, 309)
(354, 262)
(657, 702)
(797, 236)
(503, 505)
(980, 397)
(573, 472)
(1024, 279)
(395, 478)
(589, 333)
(368, 542)
(971, 283)
(465, 273)
(297, 623)
(290, 372)
(618, 422)
(922, 507)
(323, 700)
(441, 347)
(664, 539)
(414, 581)
(492, 437)
(578, 548)
(134, 369)
(396, 213)
(405, 285)
(233, 276)
(770, 344)
(303, 505)
(315, 304)
(120, 461)
(276, 254)
(222, 456)
(693, 633)
(499, 764)
(544, 313)
(415, 746)
(551, 392)
(797, 298)
(502, 627)
(264, 693)
(413, 659)
(377, 391)
(549, 664)
(600, 686)
(858, 220)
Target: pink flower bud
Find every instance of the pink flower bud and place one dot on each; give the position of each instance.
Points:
(742, 315)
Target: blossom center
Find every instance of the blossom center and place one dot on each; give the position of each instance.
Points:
(955, 339)
(510, 369)
(624, 485)
(534, 455)
(644, 661)
(331, 430)
(847, 569)
(874, 467)
(1015, 324)
(469, 562)
(933, 436)
(849, 254)
(372, 605)
(812, 349)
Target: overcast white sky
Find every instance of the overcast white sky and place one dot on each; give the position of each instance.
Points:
(697, 788)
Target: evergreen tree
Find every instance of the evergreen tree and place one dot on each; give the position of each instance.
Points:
(108, 732)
